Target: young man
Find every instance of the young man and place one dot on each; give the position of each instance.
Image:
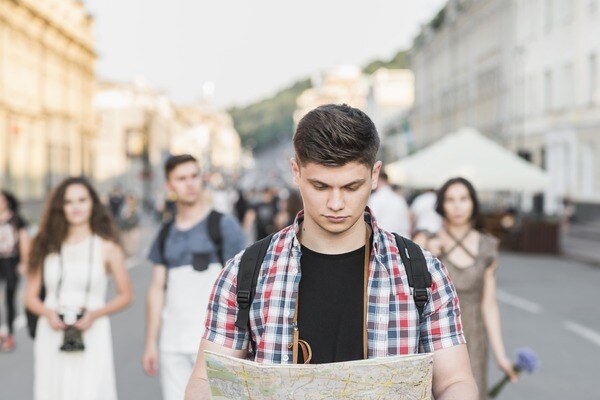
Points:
(186, 263)
(319, 264)
(386, 202)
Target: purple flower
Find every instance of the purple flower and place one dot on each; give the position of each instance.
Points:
(527, 360)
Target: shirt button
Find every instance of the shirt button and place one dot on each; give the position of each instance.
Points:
(288, 313)
(381, 319)
(285, 357)
(295, 271)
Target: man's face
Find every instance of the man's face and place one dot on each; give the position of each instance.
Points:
(334, 198)
(186, 183)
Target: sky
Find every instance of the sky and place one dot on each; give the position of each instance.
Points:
(246, 49)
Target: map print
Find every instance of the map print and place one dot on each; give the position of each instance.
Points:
(399, 377)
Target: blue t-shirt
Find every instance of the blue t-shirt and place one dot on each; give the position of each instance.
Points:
(193, 266)
(182, 245)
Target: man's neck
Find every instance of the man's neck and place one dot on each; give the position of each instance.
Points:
(321, 241)
(189, 215)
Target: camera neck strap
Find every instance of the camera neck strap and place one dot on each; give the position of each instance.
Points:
(89, 277)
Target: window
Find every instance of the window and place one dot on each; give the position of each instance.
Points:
(548, 95)
(566, 10)
(588, 169)
(593, 82)
(549, 15)
(565, 97)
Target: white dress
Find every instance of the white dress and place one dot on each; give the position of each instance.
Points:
(83, 375)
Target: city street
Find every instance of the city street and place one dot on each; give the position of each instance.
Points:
(546, 304)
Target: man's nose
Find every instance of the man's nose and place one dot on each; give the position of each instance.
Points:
(336, 201)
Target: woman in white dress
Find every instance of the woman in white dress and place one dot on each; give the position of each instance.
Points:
(75, 250)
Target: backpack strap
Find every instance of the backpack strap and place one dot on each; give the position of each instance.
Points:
(162, 240)
(214, 231)
(419, 278)
(247, 277)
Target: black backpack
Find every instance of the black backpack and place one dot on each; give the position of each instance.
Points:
(214, 231)
(419, 278)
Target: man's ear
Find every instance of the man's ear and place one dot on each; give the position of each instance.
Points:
(295, 171)
(375, 174)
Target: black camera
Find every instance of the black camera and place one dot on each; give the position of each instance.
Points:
(73, 338)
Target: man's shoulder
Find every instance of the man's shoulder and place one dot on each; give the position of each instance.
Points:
(275, 245)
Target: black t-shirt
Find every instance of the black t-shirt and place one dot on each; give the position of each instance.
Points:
(330, 309)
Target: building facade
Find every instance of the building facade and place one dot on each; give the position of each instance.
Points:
(525, 73)
(46, 86)
(136, 126)
(386, 96)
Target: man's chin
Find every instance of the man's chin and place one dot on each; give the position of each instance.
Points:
(189, 202)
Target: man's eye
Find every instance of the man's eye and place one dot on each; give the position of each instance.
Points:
(320, 187)
(352, 188)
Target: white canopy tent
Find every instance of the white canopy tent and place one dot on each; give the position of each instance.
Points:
(468, 153)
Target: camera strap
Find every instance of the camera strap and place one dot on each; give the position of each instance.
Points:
(89, 277)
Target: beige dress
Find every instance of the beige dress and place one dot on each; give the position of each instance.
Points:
(469, 286)
(88, 374)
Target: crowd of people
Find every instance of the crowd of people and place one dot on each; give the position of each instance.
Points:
(328, 241)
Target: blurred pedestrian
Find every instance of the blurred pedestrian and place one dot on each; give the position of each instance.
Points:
(471, 258)
(188, 254)
(390, 207)
(261, 214)
(74, 252)
(568, 214)
(129, 224)
(115, 200)
(14, 251)
(334, 273)
(425, 219)
(288, 210)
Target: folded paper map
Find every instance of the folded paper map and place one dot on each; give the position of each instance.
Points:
(399, 377)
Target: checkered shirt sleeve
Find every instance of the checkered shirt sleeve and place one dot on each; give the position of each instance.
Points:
(441, 326)
(222, 310)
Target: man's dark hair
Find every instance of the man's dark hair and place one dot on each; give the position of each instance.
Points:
(335, 135)
(439, 207)
(176, 160)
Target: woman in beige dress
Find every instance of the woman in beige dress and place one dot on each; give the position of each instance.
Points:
(73, 255)
(471, 258)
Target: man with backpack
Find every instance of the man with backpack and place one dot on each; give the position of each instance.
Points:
(188, 254)
(334, 286)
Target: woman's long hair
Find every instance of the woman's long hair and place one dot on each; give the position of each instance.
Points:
(54, 226)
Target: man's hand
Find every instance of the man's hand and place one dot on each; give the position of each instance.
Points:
(150, 360)
(197, 387)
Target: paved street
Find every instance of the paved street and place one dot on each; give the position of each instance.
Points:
(546, 304)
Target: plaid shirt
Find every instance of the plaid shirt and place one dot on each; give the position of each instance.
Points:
(392, 320)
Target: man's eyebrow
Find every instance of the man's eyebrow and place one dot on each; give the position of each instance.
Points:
(355, 182)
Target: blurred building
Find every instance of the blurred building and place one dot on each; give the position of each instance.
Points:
(343, 84)
(524, 72)
(385, 96)
(136, 125)
(211, 138)
(391, 96)
(46, 87)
